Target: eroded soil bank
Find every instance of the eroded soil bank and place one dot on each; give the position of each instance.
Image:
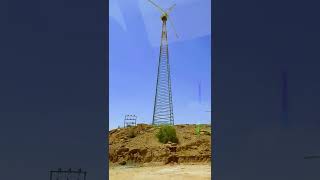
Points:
(138, 145)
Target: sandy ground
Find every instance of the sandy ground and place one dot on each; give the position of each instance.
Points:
(168, 172)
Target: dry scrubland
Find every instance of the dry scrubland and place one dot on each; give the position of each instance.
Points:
(136, 153)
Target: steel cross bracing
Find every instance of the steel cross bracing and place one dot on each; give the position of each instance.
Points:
(163, 108)
(130, 120)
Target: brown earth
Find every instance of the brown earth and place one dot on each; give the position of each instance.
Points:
(138, 145)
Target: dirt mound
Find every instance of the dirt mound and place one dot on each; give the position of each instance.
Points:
(139, 145)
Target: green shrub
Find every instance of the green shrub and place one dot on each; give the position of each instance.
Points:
(198, 128)
(167, 133)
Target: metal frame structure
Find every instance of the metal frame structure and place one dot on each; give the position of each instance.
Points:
(163, 107)
(130, 120)
(68, 174)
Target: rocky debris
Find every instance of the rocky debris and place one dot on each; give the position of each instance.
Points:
(172, 159)
(134, 151)
(148, 157)
(187, 138)
(121, 150)
(112, 131)
(143, 152)
(150, 129)
(204, 132)
(195, 158)
(172, 147)
(140, 128)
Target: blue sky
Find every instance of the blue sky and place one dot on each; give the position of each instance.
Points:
(134, 39)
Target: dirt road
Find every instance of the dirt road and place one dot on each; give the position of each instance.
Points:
(168, 172)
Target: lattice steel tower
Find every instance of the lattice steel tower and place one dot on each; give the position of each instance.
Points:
(163, 107)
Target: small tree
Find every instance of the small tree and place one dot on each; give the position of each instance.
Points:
(167, 133)
(198, 128)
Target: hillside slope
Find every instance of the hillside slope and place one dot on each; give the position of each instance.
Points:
(139, 145)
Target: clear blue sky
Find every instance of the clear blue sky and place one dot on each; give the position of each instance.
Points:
(134, 39)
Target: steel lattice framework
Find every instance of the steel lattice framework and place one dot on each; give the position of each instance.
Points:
(163, 108)
(68, 174)
(130, 120)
